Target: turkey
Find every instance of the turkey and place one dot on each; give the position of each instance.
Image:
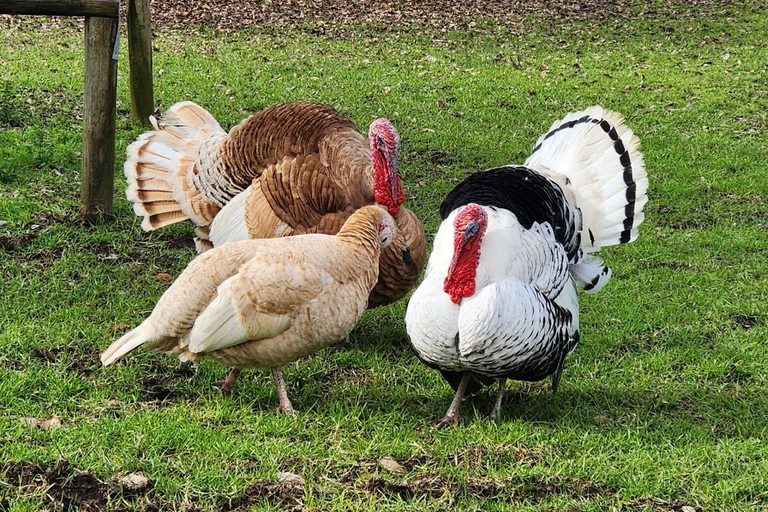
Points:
(264, 303)
(499, 296)
(290, 169)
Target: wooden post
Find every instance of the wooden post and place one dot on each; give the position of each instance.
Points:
(99, 119)
(105, 8)
(140, 54)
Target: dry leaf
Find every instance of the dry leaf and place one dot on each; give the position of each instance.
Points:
(164, 277)
(52, 422)
(118, 327)
(392, 466)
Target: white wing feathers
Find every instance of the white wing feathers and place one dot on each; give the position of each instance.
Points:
(223, 323)
(546, 258)
(229, 225)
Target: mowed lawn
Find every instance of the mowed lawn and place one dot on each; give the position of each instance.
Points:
(663, 405)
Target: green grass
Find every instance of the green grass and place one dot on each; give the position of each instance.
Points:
(664, 403)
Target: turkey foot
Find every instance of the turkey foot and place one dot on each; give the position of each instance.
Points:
(452, 416)
(285, 405)
(497, 404)
(344, 342)
(229, 381)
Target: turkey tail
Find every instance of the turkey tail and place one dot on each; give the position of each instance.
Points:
(126, 344)
(590, 273)
(595, 156)
(159, 161)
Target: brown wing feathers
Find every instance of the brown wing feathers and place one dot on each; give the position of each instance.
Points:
(310, 167)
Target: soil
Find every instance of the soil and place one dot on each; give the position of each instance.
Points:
(336, 17)
(331, 16)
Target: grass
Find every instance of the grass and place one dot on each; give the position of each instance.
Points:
(662, 405)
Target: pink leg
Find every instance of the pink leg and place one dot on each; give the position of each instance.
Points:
(452, 417)
(285, 404)
(497, 404)
(229, 381)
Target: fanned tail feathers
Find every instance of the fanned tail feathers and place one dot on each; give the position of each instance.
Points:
(596, 157)
(158, 163)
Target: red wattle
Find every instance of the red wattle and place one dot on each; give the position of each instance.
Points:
(462, 274)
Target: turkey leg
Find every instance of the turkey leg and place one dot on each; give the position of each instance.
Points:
(452, 417)
(499, 397)
(285, 404)
(229, 381)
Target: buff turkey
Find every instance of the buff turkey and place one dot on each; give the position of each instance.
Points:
(499, 296)
(264, 303)
(290, 169)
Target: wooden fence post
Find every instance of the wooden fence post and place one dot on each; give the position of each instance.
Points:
(99, 119)
(140, 55)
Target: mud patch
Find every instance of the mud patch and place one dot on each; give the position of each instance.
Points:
(60, 484)
(440, 158)
(64, 487)
(657, 504)
(84, 364)
(735, 375)
(165, 384)
(287, 496)
(642, 342)
(744, 320)
(11, 243)
(513, 491)
(429, 485)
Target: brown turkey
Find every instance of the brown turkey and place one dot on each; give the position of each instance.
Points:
(264, 303)
(290, 169)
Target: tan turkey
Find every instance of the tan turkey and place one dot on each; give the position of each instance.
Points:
(290, 169)
(264, 303)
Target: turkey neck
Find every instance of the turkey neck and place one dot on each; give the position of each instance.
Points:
(362, 230)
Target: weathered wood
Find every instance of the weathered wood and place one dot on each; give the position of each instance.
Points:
(99, 119)
(140, 54)
(103, 8)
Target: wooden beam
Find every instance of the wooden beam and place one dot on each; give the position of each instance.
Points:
(103, 8)
(99, 119)
(140, 54)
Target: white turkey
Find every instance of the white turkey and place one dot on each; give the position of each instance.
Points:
(499, 296)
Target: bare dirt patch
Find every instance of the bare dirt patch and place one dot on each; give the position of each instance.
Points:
(288, 496)
(337, 17)
(11, 243)
(512, 491)
(165, 385)
(744, 320)
(59, 483)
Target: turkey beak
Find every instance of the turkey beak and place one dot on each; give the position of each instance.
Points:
(472, 228)
(469, 232)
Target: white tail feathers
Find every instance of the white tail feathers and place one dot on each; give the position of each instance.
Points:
(590, 273)
(126, 344)
(158, 163)
(596, 159)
